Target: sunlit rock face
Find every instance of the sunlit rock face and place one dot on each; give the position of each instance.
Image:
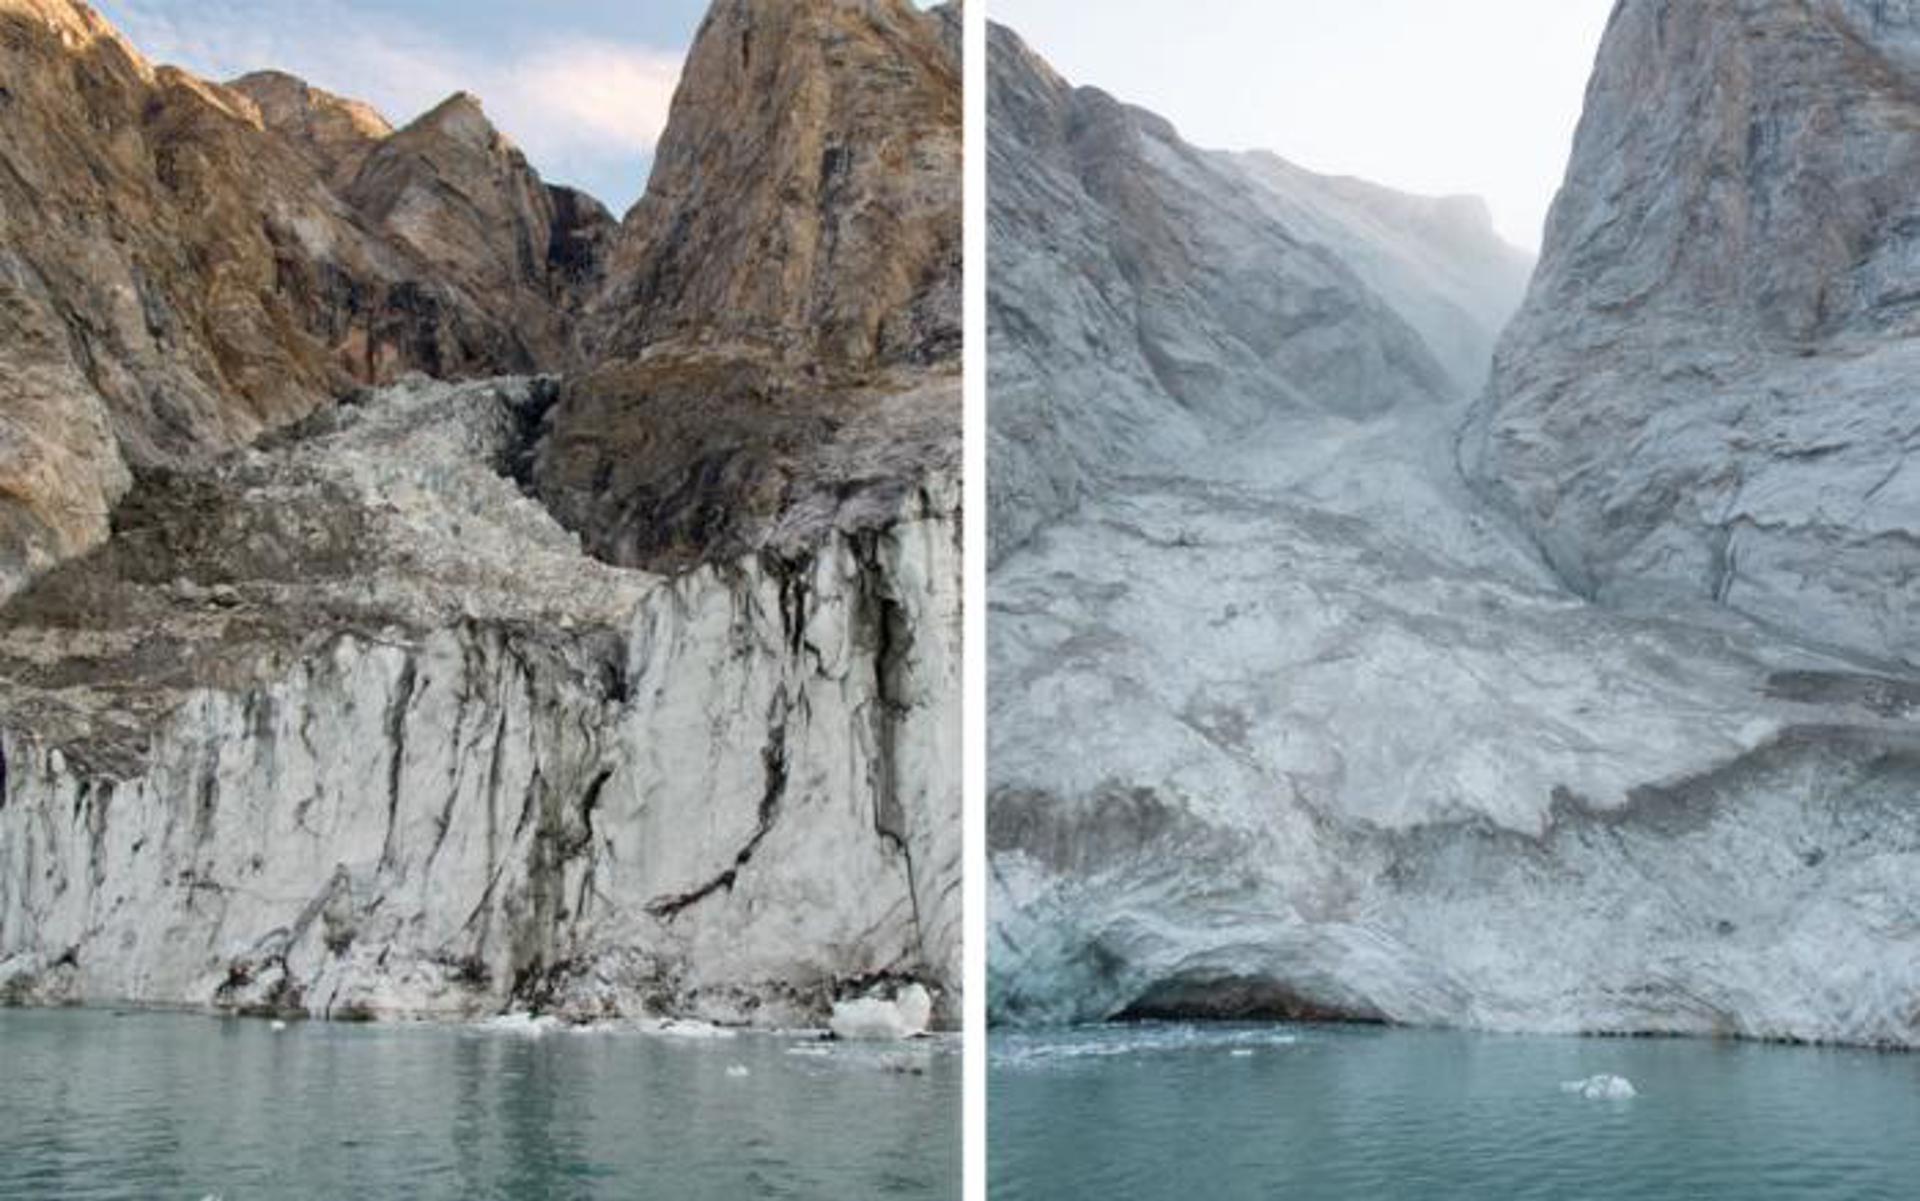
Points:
(619, 691)
(1709, 390)
(1286, 720)
(185, 265)
(776, 345)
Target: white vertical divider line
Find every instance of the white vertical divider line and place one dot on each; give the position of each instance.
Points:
(974, 630)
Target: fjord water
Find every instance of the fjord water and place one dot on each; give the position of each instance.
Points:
(1303, 1113)
(99, 1105)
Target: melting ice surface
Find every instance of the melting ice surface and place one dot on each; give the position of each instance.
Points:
(1306, 1113)
(94, 1105)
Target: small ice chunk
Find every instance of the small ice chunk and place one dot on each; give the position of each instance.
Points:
(1241, 1053)
(878, 1019)
(1603, 1087)
(276, 1025)
(738, 1071)
(522, 1023)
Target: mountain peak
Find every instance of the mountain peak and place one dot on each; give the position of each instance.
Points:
(335, 133)
(460, 117)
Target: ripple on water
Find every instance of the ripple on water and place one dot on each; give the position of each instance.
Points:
(1181, 1111)
(163, 1105)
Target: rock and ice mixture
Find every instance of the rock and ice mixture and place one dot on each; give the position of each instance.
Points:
(1288, 719)
(619, 680)
(358, 729)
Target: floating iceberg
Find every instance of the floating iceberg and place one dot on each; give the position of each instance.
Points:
(1604, 1087)
(738, 1071)
(877, 1019)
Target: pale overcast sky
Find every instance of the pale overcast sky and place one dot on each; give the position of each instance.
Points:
(1432, 96)
(582, 86)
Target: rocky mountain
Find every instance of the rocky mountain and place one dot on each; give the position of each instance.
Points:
(1149, 296)
(792, 271)
(409, 699)
(1708, 390)
(187, 265)
(1286, 719)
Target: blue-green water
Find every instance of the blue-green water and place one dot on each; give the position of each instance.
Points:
(155, 1106)
(1217, 1113)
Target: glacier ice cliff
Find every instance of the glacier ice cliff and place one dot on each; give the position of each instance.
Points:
(361, 730)
(1291, 717)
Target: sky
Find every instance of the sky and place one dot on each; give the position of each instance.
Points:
(1430, 96)
(582, 86)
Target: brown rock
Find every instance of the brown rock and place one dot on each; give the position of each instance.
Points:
(775, 349)
(181, 266)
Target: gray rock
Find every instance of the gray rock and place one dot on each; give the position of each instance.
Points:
(1710, 389)
(1149, 297)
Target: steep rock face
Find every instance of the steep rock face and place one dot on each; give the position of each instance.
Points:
(1293, 724)
(347, 725)
(776, 347)
(812, 155)
(1708, 391)
(178, 272)
(1150, 298)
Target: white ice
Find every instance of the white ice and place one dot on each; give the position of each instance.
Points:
(876, 1019)
(1603, 1087)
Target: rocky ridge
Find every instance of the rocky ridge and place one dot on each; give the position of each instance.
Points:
(396, 705)
(1346, 745)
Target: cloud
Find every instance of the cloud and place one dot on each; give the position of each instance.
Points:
(586, 110)
(592, 95)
